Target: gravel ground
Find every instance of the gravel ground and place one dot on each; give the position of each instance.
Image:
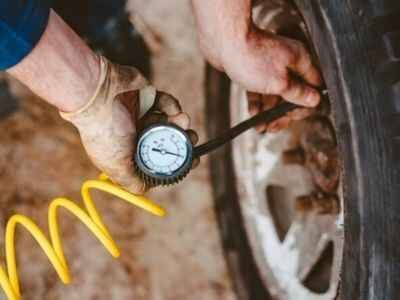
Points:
(178, 257)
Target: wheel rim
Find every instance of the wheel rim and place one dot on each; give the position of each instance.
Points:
(303, 261)
(284, 262)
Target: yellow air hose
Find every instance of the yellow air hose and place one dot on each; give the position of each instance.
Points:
(53, 247)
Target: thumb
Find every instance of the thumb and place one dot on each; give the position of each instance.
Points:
(301, 94)
(125, 176)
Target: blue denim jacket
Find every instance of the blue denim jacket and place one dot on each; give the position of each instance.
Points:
(22, 23)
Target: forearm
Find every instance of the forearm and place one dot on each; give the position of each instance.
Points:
(61, 68)
(221, 22)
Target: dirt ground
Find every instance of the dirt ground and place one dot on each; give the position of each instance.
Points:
(41, 158)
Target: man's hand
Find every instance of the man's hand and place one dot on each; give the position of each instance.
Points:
(274, 68)
(269, 64)
(260, 61)
(66, 73)
(109, 122)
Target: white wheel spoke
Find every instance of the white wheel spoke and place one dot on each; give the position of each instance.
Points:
(285, 265)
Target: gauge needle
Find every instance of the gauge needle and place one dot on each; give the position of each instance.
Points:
(162, 151)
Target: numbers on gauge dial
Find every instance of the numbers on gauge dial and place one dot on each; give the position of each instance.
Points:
(163, 150)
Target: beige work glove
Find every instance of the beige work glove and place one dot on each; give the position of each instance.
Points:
(108, 124)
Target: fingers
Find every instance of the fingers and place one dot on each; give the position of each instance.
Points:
(286, 121)
(301, 113)
(289, 118)
(167, 104)
(182, 120)
(305, 68)
(301, 90)
(120, 171)
(258, 103)
(136, 186)
(310, 74)
(151, 118)
(255, 105)
(280, 124)
(167, 108)
(170, 107)
(195, 163)
(301, 94)
(194, 138)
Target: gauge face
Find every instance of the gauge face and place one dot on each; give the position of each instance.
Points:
(163, 150)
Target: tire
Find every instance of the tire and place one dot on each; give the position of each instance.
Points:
(357, 42)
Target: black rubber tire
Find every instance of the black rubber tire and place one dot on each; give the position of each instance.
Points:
(358, 44)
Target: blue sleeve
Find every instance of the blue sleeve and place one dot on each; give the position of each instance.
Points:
(22, 23)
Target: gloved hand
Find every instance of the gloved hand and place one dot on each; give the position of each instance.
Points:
(108, 124)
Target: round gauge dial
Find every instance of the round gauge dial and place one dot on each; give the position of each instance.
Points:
(164, 153)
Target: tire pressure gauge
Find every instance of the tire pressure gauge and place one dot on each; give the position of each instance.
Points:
(164, 152)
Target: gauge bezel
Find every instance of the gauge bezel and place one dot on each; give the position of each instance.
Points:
(187, 164)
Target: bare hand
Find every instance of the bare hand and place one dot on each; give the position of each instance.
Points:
(272, 66)
(274, 69)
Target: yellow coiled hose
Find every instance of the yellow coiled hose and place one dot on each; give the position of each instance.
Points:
(53, 247)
